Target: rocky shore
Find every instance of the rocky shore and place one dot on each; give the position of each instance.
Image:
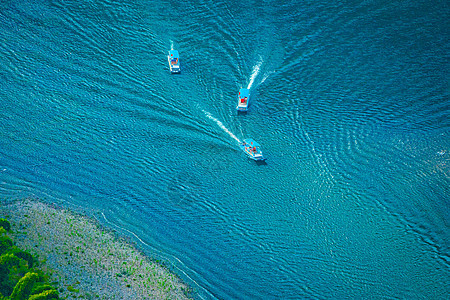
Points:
(84, 260)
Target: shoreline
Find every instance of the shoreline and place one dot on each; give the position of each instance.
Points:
(86, 260)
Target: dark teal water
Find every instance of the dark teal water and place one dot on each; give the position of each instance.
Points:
(349, 99)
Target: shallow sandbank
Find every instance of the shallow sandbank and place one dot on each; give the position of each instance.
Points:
(85, 260)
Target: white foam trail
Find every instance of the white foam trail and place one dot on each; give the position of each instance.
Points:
(265, 76)
(254, 74)
(171, 45)
(221, 126)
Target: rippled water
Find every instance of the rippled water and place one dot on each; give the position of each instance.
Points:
(350, 101)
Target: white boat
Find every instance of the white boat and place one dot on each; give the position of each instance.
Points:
(252, 149)
(243, 97)
(174, 61)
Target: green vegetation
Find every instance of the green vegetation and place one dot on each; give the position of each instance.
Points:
(72, 289)
(5, 224)
(19, 279)
(5, 243)
(23, 288)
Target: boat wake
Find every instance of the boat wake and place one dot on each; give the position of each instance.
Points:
(222, 126)
(171, 45)
(255, 73)
(266, 76)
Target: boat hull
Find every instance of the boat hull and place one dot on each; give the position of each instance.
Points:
(242, 108)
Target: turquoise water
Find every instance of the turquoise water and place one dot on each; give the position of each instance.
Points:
(349, 100)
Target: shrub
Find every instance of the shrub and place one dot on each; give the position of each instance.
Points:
(5, 224)
(72, 289)
(39, 288)
(48, 294)
(23, 288)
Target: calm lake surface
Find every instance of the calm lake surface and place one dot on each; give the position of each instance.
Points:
(349, 100)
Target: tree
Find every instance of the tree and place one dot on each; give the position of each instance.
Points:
(23, 288)
(7, 261)
(48, 294)
(40, 287)
(22, 254)
(5, 243)
(11, 268)
(5, 224)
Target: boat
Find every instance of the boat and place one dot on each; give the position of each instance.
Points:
(252, 149)
(243, 97)
(174, 61)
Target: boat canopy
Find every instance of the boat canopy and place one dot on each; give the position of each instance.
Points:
(173, 54)
(252, 142)
(243, 93)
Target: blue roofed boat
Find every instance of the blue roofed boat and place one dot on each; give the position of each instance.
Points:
(174, 61)
(252, 149)
(243, 97)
